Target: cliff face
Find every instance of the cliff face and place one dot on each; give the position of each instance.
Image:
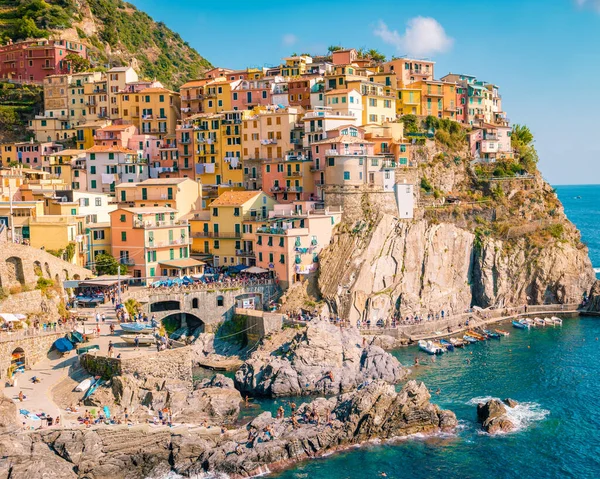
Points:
(505, 243)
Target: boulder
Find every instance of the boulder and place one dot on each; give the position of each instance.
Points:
(510, 402)
(374, 411)
(316, 359)
(493, 418)
(8, 414)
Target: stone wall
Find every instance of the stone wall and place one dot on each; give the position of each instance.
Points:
(30, 302)
(173, 364)
(260, 323)
(35, 348)
(21, 264)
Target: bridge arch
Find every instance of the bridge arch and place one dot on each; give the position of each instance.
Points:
(166, 305)
(177, 320)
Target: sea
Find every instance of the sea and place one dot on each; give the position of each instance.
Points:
(553, 372)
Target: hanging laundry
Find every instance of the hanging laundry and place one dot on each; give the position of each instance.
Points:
(209, 167)
(199, 168)
(107, 178)
(235, 161)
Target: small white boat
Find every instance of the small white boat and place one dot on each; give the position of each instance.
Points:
(528, 321)
(84, 385)
(556, 320)
(144, 340)
(540, 321)
(429, 347)
(87, 330)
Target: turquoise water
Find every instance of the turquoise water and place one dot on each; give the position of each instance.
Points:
(552, 371)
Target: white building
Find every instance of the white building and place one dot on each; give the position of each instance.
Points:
(323, 119)
(405, 200)
(107, 166)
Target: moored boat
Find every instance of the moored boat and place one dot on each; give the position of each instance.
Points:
(519, 325)
(476, 335)
(457, 342)
(447, 344)
(469, 339)
(84, 385)
(492, 334)
(143, 340)
(540, 321)
(556, 320)
(502, 332)
(429, 347)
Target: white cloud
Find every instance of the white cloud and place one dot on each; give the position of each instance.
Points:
(595, 4)
(289, 39)
(423, 36)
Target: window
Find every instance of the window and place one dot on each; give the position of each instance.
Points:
(124, 236)
(331, 162)
(215, 212)
(346, 175)
(92, 170)
(236, 212)
(73, 211)
(220, 301)
(216, 244)
(98, 235)
(122, 218)
(99, 201)
(144, 193)
(282, 259)
(92, 156)
(161, 98)
(171, 253)
(111, 156)
(93, 184)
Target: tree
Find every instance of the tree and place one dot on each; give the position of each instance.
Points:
(376, 55)
(78, 63)
(132, 307)
(107, 264)
(334, 48)
(522, 142)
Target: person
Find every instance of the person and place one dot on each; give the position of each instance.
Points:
(293, 408)
(103, 317)
(112, 329)
(97, 317)
(280, 413)
(22, 396)
(136, 341)
(111, 347)
(126, 414)
(98, 331)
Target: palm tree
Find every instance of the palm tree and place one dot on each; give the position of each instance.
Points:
(376, 55)
(334, 48)
(132, 307)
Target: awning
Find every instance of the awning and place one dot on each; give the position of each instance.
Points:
(255, 270)
(181, 263)
(9, 317)
(71, 284)
(106, 280)
(237, 268)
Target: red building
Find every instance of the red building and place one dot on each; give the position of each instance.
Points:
(34, 60)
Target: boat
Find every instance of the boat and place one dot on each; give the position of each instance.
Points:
(63, 345)
(447, 344)
(492, 334)
(457, 342)
(143, 340)
(84, 385)
(519, 325)
(429, 347)
(137, 328)
(556, 320)
(469, 339)
(479, 337)
(92, 388)
(527, 321)
(87, 349)
(502, 332)
(539, 321)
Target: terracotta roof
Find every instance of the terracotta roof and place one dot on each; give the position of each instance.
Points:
(343, 139)
(234, 198)
(109, 149)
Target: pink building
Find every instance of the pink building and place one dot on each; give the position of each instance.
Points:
(246, 94)
(491, 142)
(34, 60)
(115, 135)
(291, 244)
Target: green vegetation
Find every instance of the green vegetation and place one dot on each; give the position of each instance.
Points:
(426, 185)
(132, 307)
(447, 132)
(522, 141)
(18, 104)
(161, 53)
(34, 18)
(411, 124)
(556, 230)
(107, 264)
(233, 331)
(44, 283)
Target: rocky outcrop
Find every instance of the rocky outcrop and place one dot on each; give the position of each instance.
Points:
(315, 359)
(493, 417)
(8, 414)
(375, 411)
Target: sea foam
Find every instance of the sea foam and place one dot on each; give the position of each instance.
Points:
(522, 415)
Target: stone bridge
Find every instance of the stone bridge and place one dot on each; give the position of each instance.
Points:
(33, 347)
(208, 306)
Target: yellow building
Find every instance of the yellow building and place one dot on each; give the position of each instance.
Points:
(61, 164)
(295, 66)
(192, 97)
(159, 111)
(379, 100)
(17, 216)
(85, 132)
(61, 232)
(223, 229)
(99, 241)
(96, 99)
(217, 96)
(409, 101)
(432, 97)
(181, 194)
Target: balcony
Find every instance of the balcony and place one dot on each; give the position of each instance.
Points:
(435, 93)
(255, 217)
(173, 242)
(218, 235)
(289, 174)
(286, 189)
(127, 261)
(245, 253)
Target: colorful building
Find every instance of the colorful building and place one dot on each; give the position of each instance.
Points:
(108, 165)
(291, 240)
(409, 70)
(152, 242)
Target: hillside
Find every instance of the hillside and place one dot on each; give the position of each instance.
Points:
(115, 31)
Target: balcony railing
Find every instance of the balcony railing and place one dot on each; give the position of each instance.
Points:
(158, 224)
(243, 252)
(127, 261)
(222, 235)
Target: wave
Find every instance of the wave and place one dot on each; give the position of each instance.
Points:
(522, 415)
(596, 270)
(206, 475)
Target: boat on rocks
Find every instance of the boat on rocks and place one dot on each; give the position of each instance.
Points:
(137, 328)
(142, 340)
(430, 347)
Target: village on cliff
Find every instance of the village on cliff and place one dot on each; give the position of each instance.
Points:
(288, 224)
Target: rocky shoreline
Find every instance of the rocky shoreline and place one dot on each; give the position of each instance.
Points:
(375, 411)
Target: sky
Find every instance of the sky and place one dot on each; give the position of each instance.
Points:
(543, 54)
